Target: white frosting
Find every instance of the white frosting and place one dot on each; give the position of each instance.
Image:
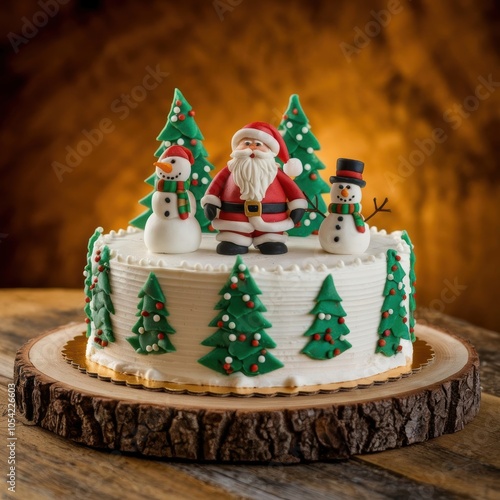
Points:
(289, 284)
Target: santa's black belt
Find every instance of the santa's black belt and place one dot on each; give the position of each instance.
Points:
(253, 208)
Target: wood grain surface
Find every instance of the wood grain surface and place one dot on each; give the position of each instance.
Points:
(461, 465)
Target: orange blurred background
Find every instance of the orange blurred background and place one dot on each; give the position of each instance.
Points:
(409, 87)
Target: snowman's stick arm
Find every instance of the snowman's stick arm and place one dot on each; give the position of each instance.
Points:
(314, 205)
(378, 209)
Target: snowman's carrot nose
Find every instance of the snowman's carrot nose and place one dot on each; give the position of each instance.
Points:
(344, 192)
(166, 167)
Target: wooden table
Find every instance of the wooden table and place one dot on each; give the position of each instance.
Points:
(465, 464)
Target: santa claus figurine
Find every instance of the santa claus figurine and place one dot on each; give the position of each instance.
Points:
(252, 200)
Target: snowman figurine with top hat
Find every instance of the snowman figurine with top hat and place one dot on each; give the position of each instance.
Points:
(172, 227)
(344, 230)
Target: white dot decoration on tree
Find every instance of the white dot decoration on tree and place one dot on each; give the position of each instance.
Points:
(328, 316)
(307, 222)
(298, 137)
(167, 144)
(155, 347)
(227, 296)
(402, 303)
(246, 298)
(312, 215)
(206, 168)
(390, 277)
(194, 176)
(400, 285)
(307, 166)
(156, 318)
(141, 329)
(180, 141)
(390, 311)
(242, 267)
(173, 119)
(234, 279)
(321, 316)
(257, 336)
(225, 317)
(85, 273)
(149, 348)
(342, 338)
(289, 124)
(305, 130)
(232, 337)
(229, 359)
(177, 109)
(310, 150)
(261, 359)
(204, 180)
(232, 325)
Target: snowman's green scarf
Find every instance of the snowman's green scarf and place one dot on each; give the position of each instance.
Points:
(180, 188)
(351, 209)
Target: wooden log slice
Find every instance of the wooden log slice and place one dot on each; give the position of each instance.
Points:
(440, 399)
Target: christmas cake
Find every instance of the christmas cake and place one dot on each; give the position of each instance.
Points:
(249, 306)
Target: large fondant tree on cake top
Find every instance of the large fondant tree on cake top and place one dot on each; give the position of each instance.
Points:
(327, 334)
(393, 324)
(240, 342)
(152, 328)
(302, 144)
(413, 304)
(181, 128)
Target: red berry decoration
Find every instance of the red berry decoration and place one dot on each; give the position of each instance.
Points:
(242, 337)
(191, 113)
(285, 117)
(316, 336)
(385, 314)
(328, 330)
(104, 343)
(405, 320)
(91, 287)
(87, 299)
(381, 342)
(328, 337)
(95, 280)
(263, 352)
(250, 304)
(336, 352)
(241, 276)
(341, 321)
(101, 268)
(182, 117)
(97, 259)
(193, 142)
(387, 333)
(398, 258)
(159, 306)
(178, 102)
(392, 292)
(87, 320)
(99, 332)
(254, 368)
(234, 286)
(220, 324)
(161, 336)
(295, 111)
(194, 182)
(394, 267)
(255, 343)
(400, 348)
(226, 366)
(313, 176)
(144, 313)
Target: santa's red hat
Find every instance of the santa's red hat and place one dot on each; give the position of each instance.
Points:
(271, 137)
(179, 151)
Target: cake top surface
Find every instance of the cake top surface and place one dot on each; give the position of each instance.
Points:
(305, 254)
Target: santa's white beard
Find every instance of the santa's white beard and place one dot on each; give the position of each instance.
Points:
(253, 175)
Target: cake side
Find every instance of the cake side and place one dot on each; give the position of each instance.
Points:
(289, 288)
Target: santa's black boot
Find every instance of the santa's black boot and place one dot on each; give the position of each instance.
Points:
(272, 248)
(228, 248)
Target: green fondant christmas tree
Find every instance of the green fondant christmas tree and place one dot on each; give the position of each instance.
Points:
(413, 279)
(181, 128)
(240, 342)
(152, 328)
(302, 144)
(393, 327)
(89, 279)
(101, 305)
(328, 331)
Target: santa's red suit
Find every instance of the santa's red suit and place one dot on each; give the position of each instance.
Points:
(257, 221)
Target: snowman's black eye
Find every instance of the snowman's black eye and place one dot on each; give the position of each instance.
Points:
(341, 186)
(348, 187)
(172, 161)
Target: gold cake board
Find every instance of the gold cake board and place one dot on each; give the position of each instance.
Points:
(438, 398)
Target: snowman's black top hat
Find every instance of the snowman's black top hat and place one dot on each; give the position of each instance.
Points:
(349, 171)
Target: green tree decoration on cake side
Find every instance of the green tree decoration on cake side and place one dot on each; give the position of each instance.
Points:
(328, 332)
(302, 144)
(413, 279)
(101, 305)
(240, 342)
(181, 128)
(152, 328)
(89, 279)
(393, 327)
